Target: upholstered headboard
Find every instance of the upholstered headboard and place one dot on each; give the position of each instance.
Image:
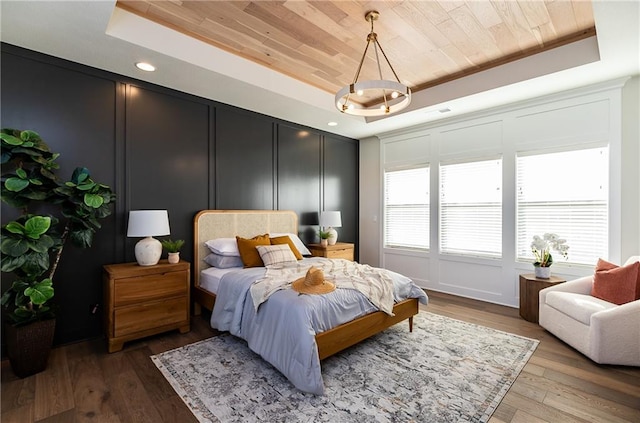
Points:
(211, 224)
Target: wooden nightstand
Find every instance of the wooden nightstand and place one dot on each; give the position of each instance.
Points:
(145, 300)
(341, 250)
(530, 288)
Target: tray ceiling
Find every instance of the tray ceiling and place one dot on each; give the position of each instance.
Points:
(428, 42)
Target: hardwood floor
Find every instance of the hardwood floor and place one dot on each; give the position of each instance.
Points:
(83, 383)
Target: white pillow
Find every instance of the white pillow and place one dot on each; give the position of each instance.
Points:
(223, 246)
(223, 262)
(276, 254)
(302, 249)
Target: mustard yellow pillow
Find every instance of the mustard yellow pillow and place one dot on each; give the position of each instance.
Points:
(278, 240)
(248, 252)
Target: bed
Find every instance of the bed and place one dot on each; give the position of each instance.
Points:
(212, 224)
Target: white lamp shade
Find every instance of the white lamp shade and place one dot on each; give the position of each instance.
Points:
(144, 223)
(330, 219)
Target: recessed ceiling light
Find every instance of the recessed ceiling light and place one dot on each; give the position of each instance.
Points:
(145, 67)
(332, 123)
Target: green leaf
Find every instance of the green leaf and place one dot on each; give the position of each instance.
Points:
(10, 139)
(6, 298)
(93, 200)
(80, 174)
(48, 174)
(36, 195)
(42, 244)
(18, 288)
(29, 135)
(23, 313)
(41, 292)
(16, 184)
(36, 263)
(15, 227)
(22, 174)
(9, 264)
(35, 181)
(36, 226)
(86, 186)
(82, 238)
(14, 247)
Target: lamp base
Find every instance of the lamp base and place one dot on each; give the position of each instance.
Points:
(333, 236)
(148, 251)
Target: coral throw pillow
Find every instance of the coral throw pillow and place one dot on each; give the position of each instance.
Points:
(248, 252)
(618, 285)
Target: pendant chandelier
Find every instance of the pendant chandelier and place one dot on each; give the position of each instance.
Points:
(373, 97)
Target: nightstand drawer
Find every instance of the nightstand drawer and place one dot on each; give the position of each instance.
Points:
(341, 254)
(138, 318)
(340, 250)
(150, 287)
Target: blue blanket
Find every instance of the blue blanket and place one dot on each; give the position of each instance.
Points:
(283, 329)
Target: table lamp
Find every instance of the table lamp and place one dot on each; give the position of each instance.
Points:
(330, 220)
(147, 224)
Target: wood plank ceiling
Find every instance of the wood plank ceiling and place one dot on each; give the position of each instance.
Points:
(428, 42)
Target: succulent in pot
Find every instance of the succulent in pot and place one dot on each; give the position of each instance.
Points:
(173, 249)
(172, 246)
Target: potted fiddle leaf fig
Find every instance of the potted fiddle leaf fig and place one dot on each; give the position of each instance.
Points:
(50, 214)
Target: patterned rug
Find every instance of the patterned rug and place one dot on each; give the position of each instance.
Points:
(444, 371)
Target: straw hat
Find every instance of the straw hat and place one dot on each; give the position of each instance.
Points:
(313, 283)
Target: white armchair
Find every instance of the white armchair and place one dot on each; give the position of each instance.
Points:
(605, 332)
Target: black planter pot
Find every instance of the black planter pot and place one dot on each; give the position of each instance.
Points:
(29, 346)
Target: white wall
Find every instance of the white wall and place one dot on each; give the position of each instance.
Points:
(370, 200)
(631, 168)
(591, 115)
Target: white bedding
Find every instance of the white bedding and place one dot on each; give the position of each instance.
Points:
(210, 278)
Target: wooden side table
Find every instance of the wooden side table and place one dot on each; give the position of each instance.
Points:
(530, 288)
(145, 300)
(341, 250)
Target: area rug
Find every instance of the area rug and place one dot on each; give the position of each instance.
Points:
(444, 371)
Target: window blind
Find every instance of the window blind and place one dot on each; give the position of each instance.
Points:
(565, 193)
(406, 208)
(471, 208)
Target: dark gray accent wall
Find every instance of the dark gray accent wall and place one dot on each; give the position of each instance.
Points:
(299, 176)
(167, 160)
(162, 149)
(340, 184)
(243, 160)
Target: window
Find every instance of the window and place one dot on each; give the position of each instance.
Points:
(406, 208)
(471, 208)
(564, 193)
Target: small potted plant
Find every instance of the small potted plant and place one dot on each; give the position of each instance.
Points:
(541, 249)
(324, 237)
(173, 248)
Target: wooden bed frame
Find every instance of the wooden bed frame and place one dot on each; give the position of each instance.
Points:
(211, 224)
